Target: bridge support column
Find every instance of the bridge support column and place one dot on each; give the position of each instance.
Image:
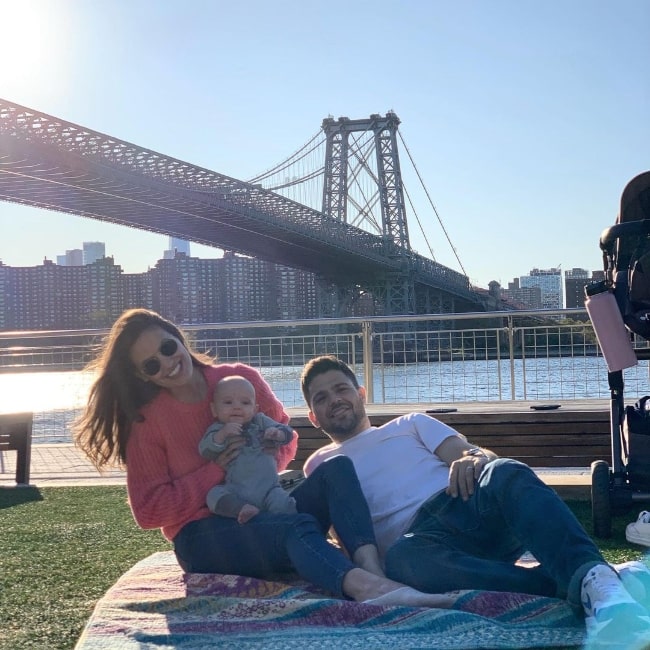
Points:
(336, 300)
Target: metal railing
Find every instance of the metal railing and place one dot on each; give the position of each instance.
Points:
(433, 359)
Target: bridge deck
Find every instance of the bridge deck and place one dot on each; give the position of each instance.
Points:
(49, 163)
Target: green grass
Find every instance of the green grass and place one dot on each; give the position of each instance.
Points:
(61, 548)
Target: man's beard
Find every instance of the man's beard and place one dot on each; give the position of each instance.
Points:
(345, 427)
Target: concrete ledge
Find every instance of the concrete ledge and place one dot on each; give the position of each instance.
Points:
(63, 465)
(571, 483)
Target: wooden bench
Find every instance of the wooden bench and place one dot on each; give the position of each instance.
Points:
(557, 438)
(16, 435)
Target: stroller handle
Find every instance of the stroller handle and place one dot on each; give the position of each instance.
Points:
(611, 234)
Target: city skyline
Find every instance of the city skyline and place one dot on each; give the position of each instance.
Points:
(525, 120)
(72, 294)
(185, 289)
(165, 254)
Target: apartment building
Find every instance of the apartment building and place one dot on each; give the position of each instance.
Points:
(184, 289)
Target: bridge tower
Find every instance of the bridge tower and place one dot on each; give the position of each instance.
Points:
(396, 290)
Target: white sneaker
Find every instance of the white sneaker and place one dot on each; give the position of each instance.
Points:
(639, 531)
(611, 614)
(635, 576)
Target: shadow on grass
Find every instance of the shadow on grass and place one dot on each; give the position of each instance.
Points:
(14, 496)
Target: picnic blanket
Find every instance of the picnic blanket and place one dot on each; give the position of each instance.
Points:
(155, 605)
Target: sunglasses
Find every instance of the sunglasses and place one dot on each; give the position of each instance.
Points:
(151, 367)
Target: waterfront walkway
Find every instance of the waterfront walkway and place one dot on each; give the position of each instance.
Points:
(59, 464)
(63, 465)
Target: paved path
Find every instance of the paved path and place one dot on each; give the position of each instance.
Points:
(58, 465)
(64, 465)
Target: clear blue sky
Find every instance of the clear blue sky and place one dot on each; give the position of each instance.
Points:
(525, 118)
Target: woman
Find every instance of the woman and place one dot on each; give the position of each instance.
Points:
(148, 410)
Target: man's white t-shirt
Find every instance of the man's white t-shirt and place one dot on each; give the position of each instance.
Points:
(397, 468)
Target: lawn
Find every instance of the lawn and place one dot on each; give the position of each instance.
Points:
(63, 547)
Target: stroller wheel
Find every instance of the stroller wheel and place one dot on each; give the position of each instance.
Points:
(601, 507)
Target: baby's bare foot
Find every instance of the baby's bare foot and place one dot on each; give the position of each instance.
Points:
(246, 513)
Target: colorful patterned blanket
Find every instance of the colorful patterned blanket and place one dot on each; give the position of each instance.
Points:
(155, 606)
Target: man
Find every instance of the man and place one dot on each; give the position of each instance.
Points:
(449, 515)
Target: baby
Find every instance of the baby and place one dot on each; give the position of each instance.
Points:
(252, 482)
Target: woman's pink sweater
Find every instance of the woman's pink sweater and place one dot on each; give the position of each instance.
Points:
(167, 479)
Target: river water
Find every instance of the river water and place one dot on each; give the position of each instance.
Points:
(55, 398)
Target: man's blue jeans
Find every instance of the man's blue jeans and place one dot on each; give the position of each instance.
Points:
(455, 544)
(270, 545)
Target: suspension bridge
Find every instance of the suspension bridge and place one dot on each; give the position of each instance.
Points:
(355, 240)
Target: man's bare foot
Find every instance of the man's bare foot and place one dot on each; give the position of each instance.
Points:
(366, 587)
(409, 597)
(367, 558)
(246, 513)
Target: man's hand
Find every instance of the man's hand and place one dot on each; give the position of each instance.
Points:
(463, 474)
(466, 462)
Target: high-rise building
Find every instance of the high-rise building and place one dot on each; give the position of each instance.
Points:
(93, 251)
(138, 290)
(296, 293)
(62, 297)
(70, 297)
(187, 289)
(45, 297)
(74, 257)
(176, 245)
(550, 283)
(574, 287)
(184, 289)
(104, 292)
(522, 297)
(4, 274)
(245, 290)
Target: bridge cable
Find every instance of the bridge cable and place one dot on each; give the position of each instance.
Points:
(417, 218)
(453, 248)
(296, 181)
(288, 161)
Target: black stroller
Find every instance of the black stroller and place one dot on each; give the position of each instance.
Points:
(626, 256)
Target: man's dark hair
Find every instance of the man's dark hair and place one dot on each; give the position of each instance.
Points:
(318, 366)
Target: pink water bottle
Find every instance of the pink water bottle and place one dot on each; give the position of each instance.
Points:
(613, 338)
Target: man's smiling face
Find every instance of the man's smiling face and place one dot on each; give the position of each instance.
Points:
(337, 406)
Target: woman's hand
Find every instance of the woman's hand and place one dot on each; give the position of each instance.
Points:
(233, 447)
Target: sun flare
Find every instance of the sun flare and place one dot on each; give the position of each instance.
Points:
(28, 40)
(45, 391)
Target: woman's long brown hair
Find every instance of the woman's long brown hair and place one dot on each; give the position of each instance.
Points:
(118, 393)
